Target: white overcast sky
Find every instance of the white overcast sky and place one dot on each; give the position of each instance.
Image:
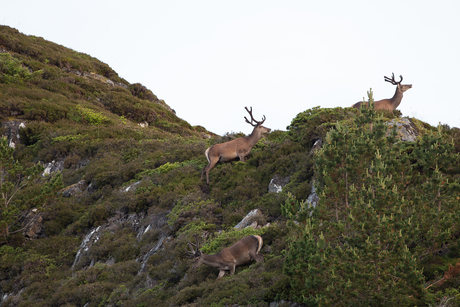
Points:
(210, 59)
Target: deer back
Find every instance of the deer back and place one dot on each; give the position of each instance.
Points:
(227, 151)
(384, 104)
(231, 150)
(240, 252)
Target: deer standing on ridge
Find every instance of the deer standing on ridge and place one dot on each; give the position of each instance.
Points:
(229, 258)
(391, 103)
(237, 148)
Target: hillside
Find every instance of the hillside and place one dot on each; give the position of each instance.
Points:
(102, 193)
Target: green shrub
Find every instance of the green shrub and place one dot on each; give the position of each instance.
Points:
(12, 70)
(92, 117)
(314, 123)
(363, 243)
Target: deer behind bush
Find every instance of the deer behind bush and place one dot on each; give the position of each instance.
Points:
(389, 104)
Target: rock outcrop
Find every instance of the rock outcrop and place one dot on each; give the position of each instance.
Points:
(254, 219)
(74, 189)
(33, 222)
(53, 167)
(12, 131)
(407, 131)
(277, 183)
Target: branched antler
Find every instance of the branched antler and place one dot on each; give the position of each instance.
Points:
(193, 250)
(257, 123)
(392, 80)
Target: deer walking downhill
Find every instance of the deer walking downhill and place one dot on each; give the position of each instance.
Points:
(229, 258)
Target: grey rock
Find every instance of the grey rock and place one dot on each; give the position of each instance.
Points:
(33, 225)
(313, 198)
(407, 131)
(12, 131)
(91, 188)
(74, 189)
(277, 183)
(317, 146)
(132, 187)
(53, 167)
(248, 220)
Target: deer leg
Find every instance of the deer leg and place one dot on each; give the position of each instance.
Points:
(232, 269)
(206, 170)
(221, 274)
(241, 156)
(256, 257)
(203, 172)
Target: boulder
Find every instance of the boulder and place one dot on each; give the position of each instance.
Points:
(407, 131)
(53, 167)
(74, 189)
(12, 131)
(252, 219)
(317, 146)
(92, 187)
(33, 225)
(277, 183)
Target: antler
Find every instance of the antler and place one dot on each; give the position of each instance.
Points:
(191, 253)
(253, 120)
(392, 80)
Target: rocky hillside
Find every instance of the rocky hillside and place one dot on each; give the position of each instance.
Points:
(103, 193)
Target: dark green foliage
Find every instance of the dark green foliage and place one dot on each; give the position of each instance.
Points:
(313, 124)
(43, 51)
(363, 244)
(118, 245)
(78, 112)
(21, 189)
(12, 71)
(73, 86)
(142, 92)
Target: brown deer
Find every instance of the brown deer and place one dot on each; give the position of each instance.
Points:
(391, 103)
(227, 259)
(237, 148)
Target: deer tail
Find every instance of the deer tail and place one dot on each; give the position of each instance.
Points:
(259, 239)
(206, 153)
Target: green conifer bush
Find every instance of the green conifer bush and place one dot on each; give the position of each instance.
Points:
(379, 215)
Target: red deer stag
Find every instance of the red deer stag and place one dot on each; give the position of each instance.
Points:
(237, 148)
(392, 103)
(227, 259)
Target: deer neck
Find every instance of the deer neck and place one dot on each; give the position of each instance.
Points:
(254, 137)
(212, 260)
(397, 97)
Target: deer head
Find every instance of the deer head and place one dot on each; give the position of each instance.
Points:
(258, 128)
(401, 87)
(193, 251)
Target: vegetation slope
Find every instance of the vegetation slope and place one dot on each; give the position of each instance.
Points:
(137, 168)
